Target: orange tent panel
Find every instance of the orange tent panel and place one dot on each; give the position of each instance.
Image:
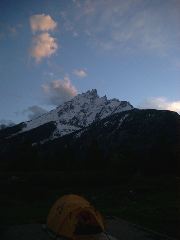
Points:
(72, 215)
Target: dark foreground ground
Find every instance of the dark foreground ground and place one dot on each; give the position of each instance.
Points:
(149, 202)
(117, 230)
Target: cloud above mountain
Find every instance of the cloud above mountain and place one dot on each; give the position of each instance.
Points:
(43, 45)
(161, 103)
(6, 123)
(81, 73)
(34, 112)
(130, 25)
(42, 22)
(59, 91)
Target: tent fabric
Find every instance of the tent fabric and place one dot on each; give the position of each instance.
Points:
(72, 215)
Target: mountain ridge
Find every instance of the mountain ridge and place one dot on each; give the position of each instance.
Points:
(77, 113)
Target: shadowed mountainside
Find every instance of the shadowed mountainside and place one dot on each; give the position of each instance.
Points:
(133, 142)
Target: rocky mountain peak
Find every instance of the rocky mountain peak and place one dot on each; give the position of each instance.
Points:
(79, 112)
(90, 94)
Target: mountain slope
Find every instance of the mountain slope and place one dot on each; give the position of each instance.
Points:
(134, 141)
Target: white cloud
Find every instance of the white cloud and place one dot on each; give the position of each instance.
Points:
(161, 103)
(43, 46)
(81, 73)
(59, 91)
(34, 111)
(42, 22)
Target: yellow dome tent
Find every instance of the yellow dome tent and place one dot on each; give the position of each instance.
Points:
(72, 216)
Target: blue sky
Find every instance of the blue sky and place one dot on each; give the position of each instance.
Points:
(51, 50)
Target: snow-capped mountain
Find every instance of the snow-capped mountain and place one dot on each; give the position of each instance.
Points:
(79, 112)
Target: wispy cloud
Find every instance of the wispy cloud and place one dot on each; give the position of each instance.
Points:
(42, 22)
(12, 30)
(6, 123)
(9, 30)
(161, 103)
(130, 25)
(34, 112)
(59, 91)
(43, 45)
(81, 73)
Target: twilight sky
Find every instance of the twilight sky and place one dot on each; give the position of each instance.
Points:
(51, 50)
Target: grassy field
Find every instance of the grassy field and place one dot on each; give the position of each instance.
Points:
(151, 202)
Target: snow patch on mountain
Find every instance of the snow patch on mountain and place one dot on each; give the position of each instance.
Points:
(122, 120)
